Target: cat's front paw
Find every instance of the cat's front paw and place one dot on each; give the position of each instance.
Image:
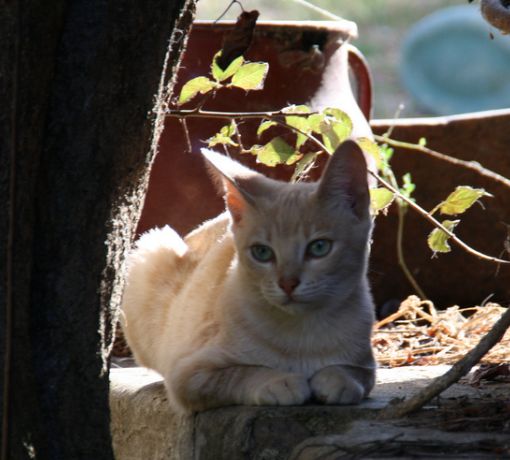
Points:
(334, 385)
(283, 390)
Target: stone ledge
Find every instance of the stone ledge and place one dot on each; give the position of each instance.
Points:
(366, 439)
(144, 427)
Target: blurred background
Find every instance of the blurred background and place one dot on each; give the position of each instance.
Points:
(424, 55)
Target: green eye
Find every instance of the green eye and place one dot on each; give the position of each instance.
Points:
(319, 248)
(262, 253)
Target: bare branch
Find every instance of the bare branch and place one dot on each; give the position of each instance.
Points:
(457, 371)
(186, 134)
(199, 113)
(471, 165)
(400, 254)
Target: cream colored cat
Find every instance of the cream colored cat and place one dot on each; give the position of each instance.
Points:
(268, 304)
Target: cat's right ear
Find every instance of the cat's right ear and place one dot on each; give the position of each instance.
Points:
(345, 179)
(232, 179)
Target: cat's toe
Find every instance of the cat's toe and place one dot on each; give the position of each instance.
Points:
(336, 387)
(284, 390)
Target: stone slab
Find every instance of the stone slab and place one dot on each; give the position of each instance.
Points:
(370, 440)
(144, 427)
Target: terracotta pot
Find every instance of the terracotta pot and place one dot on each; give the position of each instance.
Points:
(308, 63)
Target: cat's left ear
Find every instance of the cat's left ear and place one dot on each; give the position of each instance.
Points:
(233, 180)
(345, 179)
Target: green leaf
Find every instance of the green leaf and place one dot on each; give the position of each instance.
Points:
(408, 187)
(380, 199)
(386, 155)
(339, 115)
(461, 199)
(335, 129)
(370, 147)
(302, 165)
(422, 142)
(294, 158)
(274, 153)
(219, 74)
(266, 124)
(387, 152)
(195, 86)
(250, 76)
(438, 240)
(297, 109)
(224, 137)
(315, 122)
(300, 123)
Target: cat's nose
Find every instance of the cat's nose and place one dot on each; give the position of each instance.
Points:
(288, 285)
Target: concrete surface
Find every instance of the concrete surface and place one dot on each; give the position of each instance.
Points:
(144, 427)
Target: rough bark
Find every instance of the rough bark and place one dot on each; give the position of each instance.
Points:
(77, 138)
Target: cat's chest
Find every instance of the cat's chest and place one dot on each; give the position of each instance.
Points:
(300, 351)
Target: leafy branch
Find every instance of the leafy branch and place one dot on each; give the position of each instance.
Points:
(445, 229)
(326, 130)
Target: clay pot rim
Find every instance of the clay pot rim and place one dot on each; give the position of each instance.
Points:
(346, 29)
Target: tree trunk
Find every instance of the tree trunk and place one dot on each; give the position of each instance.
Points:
(77, 137)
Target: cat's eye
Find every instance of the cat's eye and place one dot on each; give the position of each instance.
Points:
(262, 253)
(319, 248)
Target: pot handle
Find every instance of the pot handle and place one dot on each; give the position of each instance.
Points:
(359, 67)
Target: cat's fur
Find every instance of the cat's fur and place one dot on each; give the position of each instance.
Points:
(219, 326)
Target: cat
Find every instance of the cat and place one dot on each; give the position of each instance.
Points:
(268, 303)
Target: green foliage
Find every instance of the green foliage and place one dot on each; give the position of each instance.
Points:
(380, 199)
(303, 165)
(275, 152)
(335, 128)
(244, 75)
(371, 148)
(408, 187)
(299, 123)
(461, 200)
(224, 136)
(386, 153)
(327, 128)
(219, 74)
(438, 239)
(198, 85)
(266, 124)
(250, 76)
(457, 202)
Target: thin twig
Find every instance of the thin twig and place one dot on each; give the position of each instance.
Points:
(308, 135)
(238, 136)
(471, 165)
(396, 115)
(186, 134)
(400, 239)
(319, 10)
(228, 8)
(199, 113)
(457, 371)
(400, 253)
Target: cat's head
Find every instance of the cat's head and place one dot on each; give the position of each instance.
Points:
(301, 246)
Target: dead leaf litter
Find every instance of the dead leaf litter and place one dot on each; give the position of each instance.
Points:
(420, 335)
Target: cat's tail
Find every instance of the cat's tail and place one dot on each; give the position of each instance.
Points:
(156, 269)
